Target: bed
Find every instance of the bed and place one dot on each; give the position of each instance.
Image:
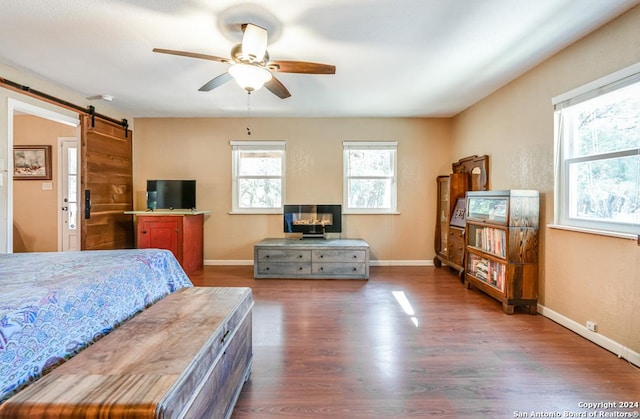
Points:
(52, 305)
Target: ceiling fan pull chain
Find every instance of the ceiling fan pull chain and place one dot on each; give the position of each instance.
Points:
(249, 112)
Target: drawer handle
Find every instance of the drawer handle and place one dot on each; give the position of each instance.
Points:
(300, 268)
(322, 268)
(267, 256)
(266, 269)
(355, 269)
(321, 256)
(224, 337)
(355, 256)
(299, 256)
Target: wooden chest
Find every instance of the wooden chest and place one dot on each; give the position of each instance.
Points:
(187, 356)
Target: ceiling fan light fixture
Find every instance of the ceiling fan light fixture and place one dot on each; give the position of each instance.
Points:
(249, 77)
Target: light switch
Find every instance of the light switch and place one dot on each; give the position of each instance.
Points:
(47, 186)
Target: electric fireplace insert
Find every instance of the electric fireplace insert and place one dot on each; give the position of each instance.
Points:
(313, 221)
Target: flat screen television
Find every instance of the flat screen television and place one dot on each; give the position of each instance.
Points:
(171, 194)
(312, 221)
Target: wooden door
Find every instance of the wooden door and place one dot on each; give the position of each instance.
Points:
(442, 222)
(106, 185)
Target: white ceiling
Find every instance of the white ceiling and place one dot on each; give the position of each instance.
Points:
(405, 58)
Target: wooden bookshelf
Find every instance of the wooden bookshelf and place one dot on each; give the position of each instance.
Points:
(502, 246)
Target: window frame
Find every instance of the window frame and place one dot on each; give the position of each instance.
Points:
(269, 146)
(562, 161)
(370, 145)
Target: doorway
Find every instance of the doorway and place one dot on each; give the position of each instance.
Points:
(68, 192)
(33, 209)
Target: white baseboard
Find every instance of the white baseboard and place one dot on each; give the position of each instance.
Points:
(620, 350)
(221, 262)
(400, 263)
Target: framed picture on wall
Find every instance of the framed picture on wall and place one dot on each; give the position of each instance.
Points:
(32, 162)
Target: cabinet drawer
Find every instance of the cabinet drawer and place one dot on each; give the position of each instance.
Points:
(456, 255)
(283, 268)
(456, 245)
(456, 237)
(338, 269)
(284, 255)
(350, 256)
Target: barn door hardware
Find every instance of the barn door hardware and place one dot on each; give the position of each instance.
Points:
(92, 112)
(87, 204)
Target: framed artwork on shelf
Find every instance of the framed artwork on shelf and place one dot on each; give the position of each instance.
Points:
(458, 216)
(32, 162)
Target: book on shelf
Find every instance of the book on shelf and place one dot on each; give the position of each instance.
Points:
(492, 240)
(491, 272)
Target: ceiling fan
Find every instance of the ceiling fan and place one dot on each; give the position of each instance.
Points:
(250, 65)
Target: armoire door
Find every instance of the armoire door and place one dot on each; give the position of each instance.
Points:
(161, 233)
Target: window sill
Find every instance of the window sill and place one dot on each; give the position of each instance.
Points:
(627, 236)
(356, 212)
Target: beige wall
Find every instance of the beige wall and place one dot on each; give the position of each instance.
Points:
(198, 148)
(35, 211)
(583, 276)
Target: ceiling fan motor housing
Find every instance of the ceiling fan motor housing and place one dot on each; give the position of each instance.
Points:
(238, 57)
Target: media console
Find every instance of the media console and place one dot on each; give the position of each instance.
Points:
(180, 231)
(311, 259)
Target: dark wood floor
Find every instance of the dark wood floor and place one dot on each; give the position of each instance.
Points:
(346, 349)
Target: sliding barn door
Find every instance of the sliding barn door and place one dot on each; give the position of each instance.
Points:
(106, 185)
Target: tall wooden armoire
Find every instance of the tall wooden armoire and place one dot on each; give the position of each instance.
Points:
(468, 174)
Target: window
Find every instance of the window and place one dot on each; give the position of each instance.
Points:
(598, 155)
(370, 177)
(258, 176)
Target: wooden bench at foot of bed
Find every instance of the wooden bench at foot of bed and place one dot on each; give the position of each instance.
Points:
(187, 356)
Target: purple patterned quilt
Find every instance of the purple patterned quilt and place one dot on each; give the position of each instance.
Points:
(52, 305)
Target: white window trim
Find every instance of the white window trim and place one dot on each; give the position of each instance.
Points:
(561, 220)
(255, 145)
(370, 145)
(610, 82)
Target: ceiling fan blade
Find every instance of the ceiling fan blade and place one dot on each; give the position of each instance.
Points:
(191, 54)
(302, 67)
(215, 82)
(254, 42)
(277, 88)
